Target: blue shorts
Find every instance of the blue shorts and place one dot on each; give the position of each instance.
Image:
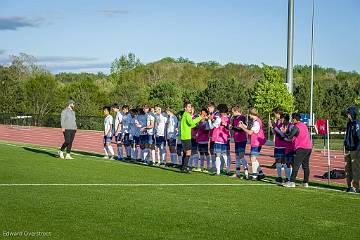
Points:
(118, 137)
(240, 147)
(179, 148)
(255, 151)
(107, 139)
(220, 148)
(135, 140)
(171, 142)
(146, 139)
(203, 147)
(289, 158)
(160, 142)
(194, 146)
(126, 140)
(279, 153)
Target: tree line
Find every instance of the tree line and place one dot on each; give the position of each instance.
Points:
(27, 88)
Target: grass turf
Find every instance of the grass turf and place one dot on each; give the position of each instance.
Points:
(159, 212)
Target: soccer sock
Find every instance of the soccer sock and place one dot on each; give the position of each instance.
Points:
(173, 157)
(218, 165)
(163, 155)
(106, 152)
(142, 154)
(222, 163)
(227, 164)
(237, 165)
(213, 161)
(136, 153)
(153, 155)
(288, 171)
(186, 162)
(196, 160)
(190, 163)
(120, 152)
(254, 166)
(202, 161)
(158, 156)
(111, 150)
(179, 159)
(208, 165)
(228, 156)
(244, 163)
(128, 151)
(278, 169)
(146, 154)
(257, 167)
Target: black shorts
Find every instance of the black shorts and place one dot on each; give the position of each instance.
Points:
(186, 144)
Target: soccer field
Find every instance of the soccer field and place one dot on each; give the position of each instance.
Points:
(92, 198)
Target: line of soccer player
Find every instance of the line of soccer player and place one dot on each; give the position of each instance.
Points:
(200, 141)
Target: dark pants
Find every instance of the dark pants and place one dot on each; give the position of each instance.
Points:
(301, 158)
(69, 136)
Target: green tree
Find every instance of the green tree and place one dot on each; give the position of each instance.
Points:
(42, 95)
(88, 96)
(271, 92)
(124, 63)
(228, 91)
(166, 93)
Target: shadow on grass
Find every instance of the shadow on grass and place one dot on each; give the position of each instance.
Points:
(176, 169)
(40, 151)
(89, 154)
(332, 186)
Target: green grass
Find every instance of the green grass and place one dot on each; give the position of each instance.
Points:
(335, 144)
(159, 212)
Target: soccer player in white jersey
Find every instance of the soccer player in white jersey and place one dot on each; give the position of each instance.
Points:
(149, 128)
(127, 119)
(160, 125)
(108, 133)
(141, 124)
(134, 135)
(172, 128)
(117, 130)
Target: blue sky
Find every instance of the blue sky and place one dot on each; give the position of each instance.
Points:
(81, 35)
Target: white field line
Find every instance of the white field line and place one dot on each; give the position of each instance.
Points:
(134, 184)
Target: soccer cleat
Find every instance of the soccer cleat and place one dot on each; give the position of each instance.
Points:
(350, 190)
(68, 157)
(305, 185)
(106, 157)
(279, 180)
(261, 176)
(61, 154)
(197, 170)
(246, 174)
(289, 185)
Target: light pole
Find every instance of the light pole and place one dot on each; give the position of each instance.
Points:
(290, 46)
(312, 70)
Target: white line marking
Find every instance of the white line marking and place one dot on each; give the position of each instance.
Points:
(134, 184)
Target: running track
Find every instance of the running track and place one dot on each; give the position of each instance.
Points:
(91, 141)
